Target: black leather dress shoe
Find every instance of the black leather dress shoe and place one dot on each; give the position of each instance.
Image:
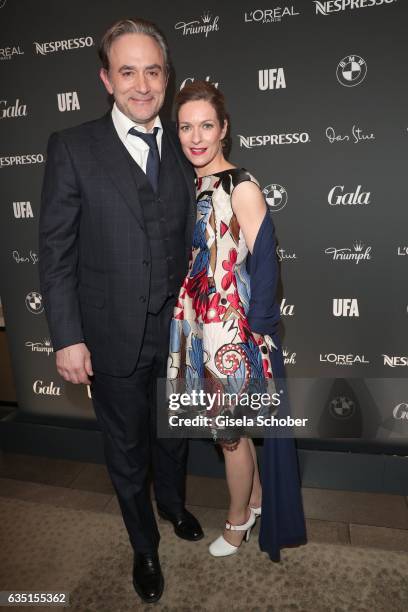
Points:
(185, 525)
(147, 577)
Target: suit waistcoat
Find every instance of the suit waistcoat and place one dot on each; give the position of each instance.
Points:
(164, 215)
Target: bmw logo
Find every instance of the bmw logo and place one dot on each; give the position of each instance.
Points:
(351, 71)
(342, 407)
(276, 197)
(34, 302)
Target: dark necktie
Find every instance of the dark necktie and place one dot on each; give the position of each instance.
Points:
(153, 159)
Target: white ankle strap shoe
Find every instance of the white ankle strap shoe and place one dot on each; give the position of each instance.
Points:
(256, 511)
(221, 548)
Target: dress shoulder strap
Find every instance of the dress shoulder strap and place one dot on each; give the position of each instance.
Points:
(234, 177)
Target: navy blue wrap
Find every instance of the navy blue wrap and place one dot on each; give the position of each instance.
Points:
(282, 520)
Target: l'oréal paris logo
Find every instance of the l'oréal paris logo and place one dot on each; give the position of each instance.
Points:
(343, 360)
(205, 26)
(7, 53)
(273, 15)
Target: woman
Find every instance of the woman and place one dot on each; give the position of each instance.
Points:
(224, 323)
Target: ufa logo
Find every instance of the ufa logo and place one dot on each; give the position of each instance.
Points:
(351, 71)
(2, 3)
(68, 101)
(34, 302)
(276, 197)
(345, 307)
(22, 210)
(272, 78)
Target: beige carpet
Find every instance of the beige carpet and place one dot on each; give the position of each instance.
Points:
(43, 547)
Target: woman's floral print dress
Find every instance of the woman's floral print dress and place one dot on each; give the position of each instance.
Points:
(210, 338)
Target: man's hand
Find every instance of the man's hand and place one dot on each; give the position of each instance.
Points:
(74, 363)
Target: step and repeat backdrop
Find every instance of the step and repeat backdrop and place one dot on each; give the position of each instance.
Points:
(317, 94)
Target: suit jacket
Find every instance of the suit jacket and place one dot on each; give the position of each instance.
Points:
(94, 251)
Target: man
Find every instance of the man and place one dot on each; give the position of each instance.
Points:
(115, 232)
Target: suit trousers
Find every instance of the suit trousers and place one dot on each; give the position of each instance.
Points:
(126, 411)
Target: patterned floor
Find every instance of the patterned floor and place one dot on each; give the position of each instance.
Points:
(48, 547)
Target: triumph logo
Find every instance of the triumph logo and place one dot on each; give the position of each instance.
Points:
(288, 357)
(34, 302)
(271, 78)
(287, 310)
(345, 307)
(343, 360)
(192, 79)
(351, 70)
(270, 15)
(273, 139)
(337, 196)
(346, 254)
(63, 45)
(22, 210)
(334, 6)
(206, 25)
(395, 361)
(40, 388)
(68, 101)
(284, 255)
(276, 197)
(41, 347)
(16, 110)
(6, 53)
(22, 160)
